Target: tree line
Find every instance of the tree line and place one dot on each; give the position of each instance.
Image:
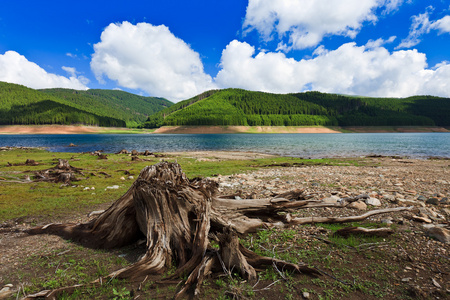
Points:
(241, 107)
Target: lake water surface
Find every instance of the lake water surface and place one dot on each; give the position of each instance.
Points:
(415, 145)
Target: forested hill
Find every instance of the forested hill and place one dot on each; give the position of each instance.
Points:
(22, 105)
(131, 108)
(240, 107)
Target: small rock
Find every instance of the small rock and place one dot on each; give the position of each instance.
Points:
(444, 200)
(390, 198)
(387, 221)
(72, 145)
(306, 295)
(427, 212)
(373, 202)
(422, 198)
(441, 234)
(421, 219)
(428, 226)
(122, 178)
(407, 279)
(358, 205)
(332, 199)
(6, 291)
(434, 201)
(436, 284)
(400, 196)
(114, 187)
(131, 177)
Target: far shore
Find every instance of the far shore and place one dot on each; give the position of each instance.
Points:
(79, 129)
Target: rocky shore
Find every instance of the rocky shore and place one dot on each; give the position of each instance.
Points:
(420, 255)
(383, 183)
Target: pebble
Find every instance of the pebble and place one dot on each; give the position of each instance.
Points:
(114, 187)
(422, 198)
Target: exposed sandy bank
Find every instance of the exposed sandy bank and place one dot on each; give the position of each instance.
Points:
(243, 129)
(382, 129)
(61, 129)
(47, 129)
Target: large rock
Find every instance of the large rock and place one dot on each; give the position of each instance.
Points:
(441, 234)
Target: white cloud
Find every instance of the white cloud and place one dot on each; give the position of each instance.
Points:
(306, 22)
(443, 25)
(74, 74)
(379, 42)
(421, 25)
(391, 5)
(15, 68)
(271, 72)
(350, 69)
(149, 58)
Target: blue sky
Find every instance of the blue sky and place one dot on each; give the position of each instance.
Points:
(177, 49)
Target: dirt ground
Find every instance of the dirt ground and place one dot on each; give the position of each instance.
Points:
(418, 267)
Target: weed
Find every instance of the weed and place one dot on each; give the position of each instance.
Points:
(121, 294)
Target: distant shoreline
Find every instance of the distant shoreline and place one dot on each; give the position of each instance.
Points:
(79, 129)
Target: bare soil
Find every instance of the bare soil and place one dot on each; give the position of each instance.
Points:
(407, 265)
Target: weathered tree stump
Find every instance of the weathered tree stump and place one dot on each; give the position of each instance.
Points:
(178, 217)
(62, 172)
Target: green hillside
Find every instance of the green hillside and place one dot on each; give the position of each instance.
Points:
(133, 109)
(240, 107)
(22, 105)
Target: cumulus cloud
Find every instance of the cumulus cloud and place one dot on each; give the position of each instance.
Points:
(350, 69)
(149, 58)
(306, 22)
(15, 68)
(421, 25)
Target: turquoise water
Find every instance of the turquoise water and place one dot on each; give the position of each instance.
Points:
(416, 145)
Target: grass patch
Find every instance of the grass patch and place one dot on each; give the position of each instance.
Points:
(38, 198)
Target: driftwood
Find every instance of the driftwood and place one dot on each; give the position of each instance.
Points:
(179, 217)
(381, 232)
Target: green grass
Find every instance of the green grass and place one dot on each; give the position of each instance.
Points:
(36, 199)
(357, 272)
